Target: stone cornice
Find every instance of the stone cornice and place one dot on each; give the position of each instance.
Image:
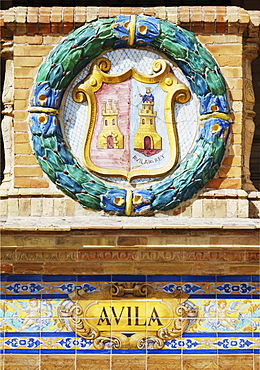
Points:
(62, 20)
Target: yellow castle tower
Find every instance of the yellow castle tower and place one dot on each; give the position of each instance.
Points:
(146, 138)
(110, 136)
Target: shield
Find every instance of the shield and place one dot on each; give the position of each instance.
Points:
(130, 129)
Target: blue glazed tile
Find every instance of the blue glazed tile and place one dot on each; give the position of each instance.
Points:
(94, 278)
(55, 295)
(199, 335)
(200, 351)
(198, 278)
(95, 352)
(134, 278)
(58, 351)
(20, 278)
(3, 277)
(164, 351)
(232, 278)
(255, 278)
(235, 351)
(59, 278)
(163, 278)
(22, 351)
(129, 351)
(23, 296)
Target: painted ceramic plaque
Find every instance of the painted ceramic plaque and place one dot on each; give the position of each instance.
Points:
(106, 109)
(131, 124)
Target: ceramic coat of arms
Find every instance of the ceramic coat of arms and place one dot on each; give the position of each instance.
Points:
(130, 115)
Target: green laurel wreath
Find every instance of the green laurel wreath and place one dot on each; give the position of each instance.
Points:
(77, 50)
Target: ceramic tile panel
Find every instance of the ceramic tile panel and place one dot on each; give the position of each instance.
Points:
(130, 314)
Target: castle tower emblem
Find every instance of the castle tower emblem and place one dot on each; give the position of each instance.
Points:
(146, 140)
(110, 136)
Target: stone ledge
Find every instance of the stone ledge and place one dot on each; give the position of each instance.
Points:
(52, 224)
(196, 18)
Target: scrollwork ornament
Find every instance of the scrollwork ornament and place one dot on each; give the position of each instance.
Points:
(72, 55)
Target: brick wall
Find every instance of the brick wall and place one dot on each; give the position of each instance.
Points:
(35, 31)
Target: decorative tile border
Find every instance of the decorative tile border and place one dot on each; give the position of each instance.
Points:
(227, 322)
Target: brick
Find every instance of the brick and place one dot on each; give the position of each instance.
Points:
(73, 268)
(92, 14)
(24, 72)
(137, 10)
(32, 14)
(45, 15)
(70, 207)
(236, 95)
(20, 14)
(226, 38)
(103, 11)
(160, 12)
(68, 16)
(114, 11)
(235, 149)
(235, 83)
(27, 62)
(6, 268)
(23, 149)
(21, 126)
(25, 160)
(196, 19)
(209, 13)
(221, 19)
(148, 11)
(232, 161)
(36, 207)
(236, 139)
(13, 209)
(244, 17)
(238, 120)
(4, 208)
(23, 83)
(229, 60)
(52, 39)
(21, 137)
(209, 208)
(80, 15)
(28, 268)
(21, 94)
(132, 241)
(20, 104)
(56, 19)
(173, 14)
(25, 207)
(225, 49)
(220, 208)
(229, 172)
(59, 207)
(9, 15)
(184, 14)
(21, 28)
(205, 39)
(20, 115)
(197, 208)
(32, 51)
(232, 72)
(27, 171)
(124, 10)
(45, 28)
(47, 207)
(26, 182)
(224, 184)
(28, 39)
